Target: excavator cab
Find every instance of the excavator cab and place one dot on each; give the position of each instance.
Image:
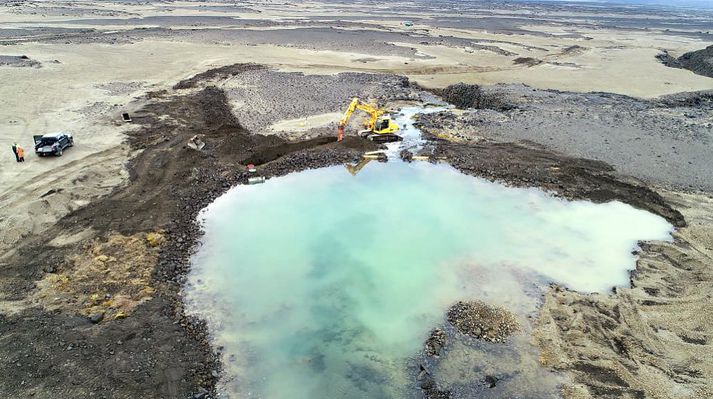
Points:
(383, 127)
(386, 125)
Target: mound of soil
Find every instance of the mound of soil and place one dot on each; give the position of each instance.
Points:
(465, 96)
(573, 50)
(480, 320)
(18, 61)
(698, 99)
(526, 164)
(699, 62)
(216, 74)
(528, 61)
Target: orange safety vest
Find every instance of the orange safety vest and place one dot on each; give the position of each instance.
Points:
(20, 152)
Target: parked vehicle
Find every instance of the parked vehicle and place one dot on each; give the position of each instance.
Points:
(53, 143)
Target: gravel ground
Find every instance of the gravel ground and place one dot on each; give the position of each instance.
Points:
(275, 96)
(356, 38)
(667, 141)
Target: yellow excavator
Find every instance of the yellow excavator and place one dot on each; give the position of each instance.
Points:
(379, 128)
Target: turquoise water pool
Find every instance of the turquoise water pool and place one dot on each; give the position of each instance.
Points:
(321, 284)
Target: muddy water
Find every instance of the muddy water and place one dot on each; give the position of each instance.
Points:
(320, 284)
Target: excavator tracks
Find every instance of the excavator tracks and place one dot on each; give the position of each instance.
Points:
(383, 137)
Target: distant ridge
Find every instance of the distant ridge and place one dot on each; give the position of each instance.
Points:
(700, 4)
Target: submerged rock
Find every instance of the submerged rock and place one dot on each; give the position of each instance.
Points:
(480, 320)
(431, 390)
(436, 342)
(491, 381)
(406, 156)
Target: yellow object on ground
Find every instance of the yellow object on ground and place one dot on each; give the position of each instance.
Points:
(155, 239)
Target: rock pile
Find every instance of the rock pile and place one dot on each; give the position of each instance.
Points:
(436, 342)
(465, 96)
(482, 321)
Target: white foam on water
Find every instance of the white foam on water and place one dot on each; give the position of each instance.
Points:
(411, 135)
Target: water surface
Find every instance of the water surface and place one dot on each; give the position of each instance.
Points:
(322, 285)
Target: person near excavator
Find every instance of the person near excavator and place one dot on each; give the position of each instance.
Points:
(20, 155)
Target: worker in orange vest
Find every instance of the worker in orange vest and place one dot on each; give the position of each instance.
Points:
(20, 153)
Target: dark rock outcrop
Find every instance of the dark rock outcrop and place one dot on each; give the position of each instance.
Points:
(699, 62)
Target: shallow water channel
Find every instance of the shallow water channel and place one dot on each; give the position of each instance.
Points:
(320, 284)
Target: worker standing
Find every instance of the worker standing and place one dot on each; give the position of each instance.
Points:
(20, 153)
(14, 151)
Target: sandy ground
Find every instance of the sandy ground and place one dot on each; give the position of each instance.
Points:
(98, 59)
(650, 340)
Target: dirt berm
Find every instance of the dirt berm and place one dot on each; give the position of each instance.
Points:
(528, 164)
